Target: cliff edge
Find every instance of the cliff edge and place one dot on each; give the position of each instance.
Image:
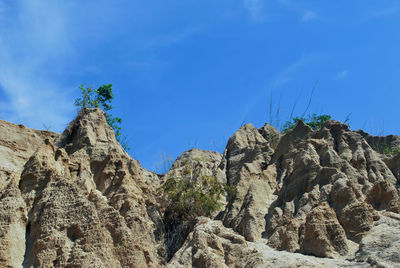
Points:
(307, 198)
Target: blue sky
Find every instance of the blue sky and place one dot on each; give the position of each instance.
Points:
(189, 73)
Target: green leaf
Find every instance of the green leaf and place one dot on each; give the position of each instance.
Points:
(102, 97)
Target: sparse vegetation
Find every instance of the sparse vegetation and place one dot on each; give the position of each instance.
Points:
(314, 121)
(46, 127)
(391, 151)
(187, 194)
(190, 199)
(164, 164)
(191, 194)
(101, 98)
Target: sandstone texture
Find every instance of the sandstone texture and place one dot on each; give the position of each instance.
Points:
(198, 163)
(78, 200)
(190, 166)
(213, 245)
(325, 198)
(17, 144)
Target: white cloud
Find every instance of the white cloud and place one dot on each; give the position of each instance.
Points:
(305, 14)
(256, 9)
(308, 15)
(34, 42)
(341, 75)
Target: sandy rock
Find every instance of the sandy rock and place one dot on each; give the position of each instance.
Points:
(13, 221)
(85, 203)
(79, 200)
(384, 196)
(246, 158)
(300, 132)
(17, 144)
(213, 245)
(200, 163)
(272, 258)
(271, 135)
(286, 236)
(393, 164)
(191, 166)
(323, 235)
(332, 166)
(381, 246)
(358, 218)
(380, 143)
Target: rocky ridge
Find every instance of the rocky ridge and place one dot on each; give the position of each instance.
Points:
(307, 198)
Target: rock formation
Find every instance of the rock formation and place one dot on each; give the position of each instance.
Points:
(79, 200)
(306, 198)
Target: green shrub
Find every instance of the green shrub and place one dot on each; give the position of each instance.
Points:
(102, 97)
(314, 121)
(191, 194)
(190, 199)
(391, 151)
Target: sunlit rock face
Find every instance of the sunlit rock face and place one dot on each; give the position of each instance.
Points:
(326, 198)
(313, 192)
(76, 199)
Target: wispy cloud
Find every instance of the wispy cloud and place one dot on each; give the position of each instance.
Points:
(256, 9)
(172, 38)
(341, 75)
(390, 11)
(258, 12)
(2, 10)
(283, 77)
(308, 15)
(305, 14)
(287, 74)
(35, 38)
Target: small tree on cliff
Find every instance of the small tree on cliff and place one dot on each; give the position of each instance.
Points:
(101, 98)
(314, 121)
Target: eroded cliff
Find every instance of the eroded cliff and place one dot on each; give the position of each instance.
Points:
(77, 199)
